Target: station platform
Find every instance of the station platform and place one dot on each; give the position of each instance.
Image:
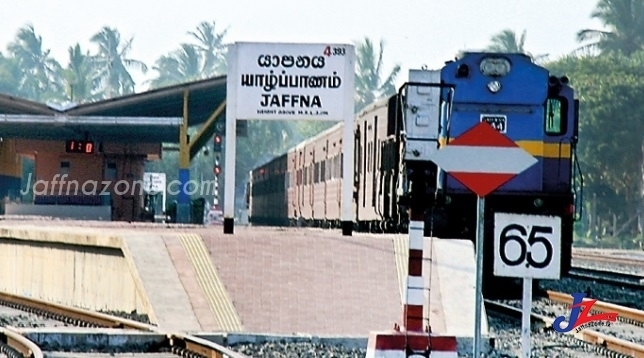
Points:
(260, 280)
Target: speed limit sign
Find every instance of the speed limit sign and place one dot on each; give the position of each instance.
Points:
(527, 246)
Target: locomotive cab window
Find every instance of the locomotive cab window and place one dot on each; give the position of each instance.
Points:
(555, 116)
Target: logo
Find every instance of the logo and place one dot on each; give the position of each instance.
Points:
(580, 317)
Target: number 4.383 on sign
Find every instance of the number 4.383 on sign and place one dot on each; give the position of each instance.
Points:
(527, 246)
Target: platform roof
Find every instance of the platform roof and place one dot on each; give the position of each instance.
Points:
(151, 116)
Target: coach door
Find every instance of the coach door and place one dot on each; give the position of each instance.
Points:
(300, 183)
(357, 166)
(312, 181)
(324, 177)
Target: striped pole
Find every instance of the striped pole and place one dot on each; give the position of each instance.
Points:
(414, 341)
(414, 294)
(216, 200)
(217, 171)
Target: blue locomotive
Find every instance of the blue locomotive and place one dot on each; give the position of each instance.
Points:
(539, 113)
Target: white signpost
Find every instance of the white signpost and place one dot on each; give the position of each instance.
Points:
(155, 183)
(287, 81)
(527, 246)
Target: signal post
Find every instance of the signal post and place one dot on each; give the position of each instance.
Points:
(217, 146)
(482, 159)
(420, 137)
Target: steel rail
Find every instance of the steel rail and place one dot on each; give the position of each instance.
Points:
(600, 306)
(20, 344)
(180, 343)
(606, 258)
(73, 314)
(608, 277)
(600, 340)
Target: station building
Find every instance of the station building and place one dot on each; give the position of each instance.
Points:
(89, 159)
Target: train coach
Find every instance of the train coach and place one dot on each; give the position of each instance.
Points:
(522, 100)
(304, 186)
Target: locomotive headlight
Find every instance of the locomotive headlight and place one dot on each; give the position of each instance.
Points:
(495, 66)
(494, 86)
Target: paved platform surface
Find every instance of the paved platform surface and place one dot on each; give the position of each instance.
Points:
(309, 281)
(287, 281)
(164, 289)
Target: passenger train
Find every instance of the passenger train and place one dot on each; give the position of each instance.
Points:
(522, 100)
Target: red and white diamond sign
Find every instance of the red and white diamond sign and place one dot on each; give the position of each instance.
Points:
(483, 159)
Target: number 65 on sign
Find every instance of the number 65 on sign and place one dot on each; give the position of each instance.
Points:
(527, 246)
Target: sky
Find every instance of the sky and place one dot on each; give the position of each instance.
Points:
(416, 32)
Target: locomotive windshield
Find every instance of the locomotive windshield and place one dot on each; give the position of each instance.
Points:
(555, 114)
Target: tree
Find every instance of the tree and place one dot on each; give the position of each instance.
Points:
(80, 76)
(39, 78)
(625, 22)
(610, 88)
(182, 65)
(508, 41)
(212, 46)
(369, 68)
(112, 57)
(10, 76)
(191, 62)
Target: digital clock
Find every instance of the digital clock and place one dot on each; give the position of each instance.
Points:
(79, 146)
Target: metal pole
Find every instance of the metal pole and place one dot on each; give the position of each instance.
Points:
(231, 141)
(525, 324)
(183, 203)
(480, 220)
(348, 144)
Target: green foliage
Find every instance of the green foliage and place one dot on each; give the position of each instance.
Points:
(193, 61)
(38, 74)
(370, 84)
(81, 77)
(114, 63)
(624, 20)
(610, 88)
(508, 41)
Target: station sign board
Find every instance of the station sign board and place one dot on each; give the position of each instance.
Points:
(287, 81)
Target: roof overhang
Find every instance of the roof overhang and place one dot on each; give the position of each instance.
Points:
(98, 128)
(152, 116)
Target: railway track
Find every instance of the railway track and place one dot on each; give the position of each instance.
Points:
(625, 314)
(14, 345)
(178, 343)
(603, 343)
(622, 279)
(613, 259)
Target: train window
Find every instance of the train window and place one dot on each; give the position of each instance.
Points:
(370, 157)
(555, 116)
(323, 172)
(334, 167)
(316, 173)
